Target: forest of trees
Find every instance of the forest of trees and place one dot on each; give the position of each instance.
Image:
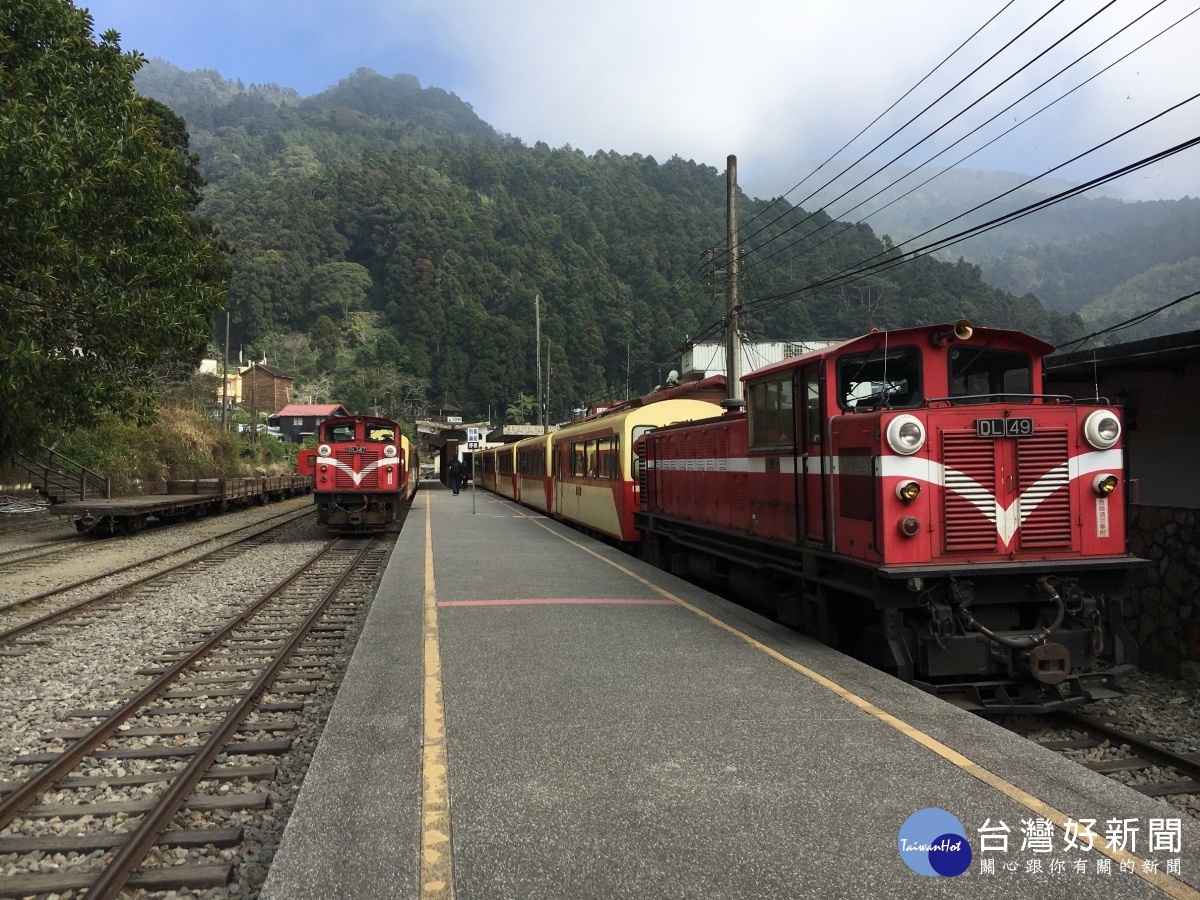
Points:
(390, 246)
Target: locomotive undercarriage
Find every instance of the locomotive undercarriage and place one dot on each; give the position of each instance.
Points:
(1036, 640)
(357, 512)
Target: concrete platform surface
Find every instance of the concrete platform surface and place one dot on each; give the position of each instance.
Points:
(611, 731)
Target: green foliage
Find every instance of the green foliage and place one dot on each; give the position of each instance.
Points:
(412, 254)
(1155, 287)
(180, 443)
(1074, 275)
(103, 272)
(520, 412)
(327, 340)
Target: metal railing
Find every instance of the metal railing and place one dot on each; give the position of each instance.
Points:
(59, 478)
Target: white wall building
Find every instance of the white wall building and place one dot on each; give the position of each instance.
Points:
(706, 359)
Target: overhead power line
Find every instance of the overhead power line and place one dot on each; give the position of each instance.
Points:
(1129, 323)
(896, 256)
(979, 149)
(926, 109)
(895, 103)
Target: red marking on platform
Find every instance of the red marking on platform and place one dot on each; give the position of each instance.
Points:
(576, 601)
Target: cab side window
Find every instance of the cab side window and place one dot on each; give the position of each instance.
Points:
(772, 412)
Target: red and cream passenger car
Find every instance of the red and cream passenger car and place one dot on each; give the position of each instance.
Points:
(596, 467)
(535, 465)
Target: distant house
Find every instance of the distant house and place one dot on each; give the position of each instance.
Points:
(265, 389)
(296, 421)
(233, 392)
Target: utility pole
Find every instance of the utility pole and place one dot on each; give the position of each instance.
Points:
(225, 378)
(549, 344)
(253, 401)
(537, 320)
(733, 343)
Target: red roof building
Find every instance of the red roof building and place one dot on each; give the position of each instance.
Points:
(296, 421)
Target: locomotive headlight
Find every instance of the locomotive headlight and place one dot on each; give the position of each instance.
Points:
(389, 451)
(908, 491)
(324, 450)
(1102, 428)
(1105, 483)
(906, 434)
(910, 527)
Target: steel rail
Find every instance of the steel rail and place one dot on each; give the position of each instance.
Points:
(126, 861)
(34, 624)
(192, 546)
(25, 795)
(49, 548)
(1152, 753)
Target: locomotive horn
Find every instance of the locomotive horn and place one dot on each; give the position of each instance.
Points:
(961, 331)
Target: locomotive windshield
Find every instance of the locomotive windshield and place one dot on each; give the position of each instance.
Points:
(881, 378)
(980, 373)
(342, 431)
(379, 432)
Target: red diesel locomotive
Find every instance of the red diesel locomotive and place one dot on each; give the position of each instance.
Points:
(914, 499)
(364, 470)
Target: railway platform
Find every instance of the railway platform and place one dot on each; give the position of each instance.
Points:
(533, 714)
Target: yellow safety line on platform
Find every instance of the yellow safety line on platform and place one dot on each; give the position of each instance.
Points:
(1168, 884)
(437, 863)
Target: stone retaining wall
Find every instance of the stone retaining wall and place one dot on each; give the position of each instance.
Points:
(1165, 618)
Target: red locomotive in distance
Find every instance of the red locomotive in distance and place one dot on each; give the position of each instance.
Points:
(364, 470)
(913, 498)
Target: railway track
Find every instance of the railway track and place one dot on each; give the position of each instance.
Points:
(1145, 761)
(65, 607)
(181, 748)
(33, 557)
(38, 551)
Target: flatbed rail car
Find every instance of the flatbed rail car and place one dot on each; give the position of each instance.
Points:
(366, 471)
(190, 498)
(913, 499)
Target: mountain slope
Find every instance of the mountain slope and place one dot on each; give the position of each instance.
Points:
(383, 229)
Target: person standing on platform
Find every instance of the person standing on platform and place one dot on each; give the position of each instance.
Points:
(456, 473)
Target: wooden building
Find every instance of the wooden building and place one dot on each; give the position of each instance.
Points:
(297, 421)
(265, 389)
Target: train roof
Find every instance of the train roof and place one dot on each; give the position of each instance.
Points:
(711, 389)
(922, 334)
(352, 418)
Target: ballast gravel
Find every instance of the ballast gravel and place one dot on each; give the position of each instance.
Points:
(92, 667)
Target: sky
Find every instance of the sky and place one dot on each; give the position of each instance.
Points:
(781, 84)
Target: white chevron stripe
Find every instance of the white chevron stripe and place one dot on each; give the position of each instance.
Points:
(357, 477)
(1007, 519)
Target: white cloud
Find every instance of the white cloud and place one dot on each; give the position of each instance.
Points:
(775, 82)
